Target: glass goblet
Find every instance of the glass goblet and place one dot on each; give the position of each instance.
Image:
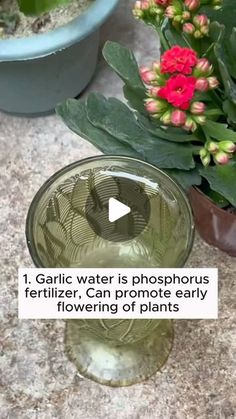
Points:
(60, 233)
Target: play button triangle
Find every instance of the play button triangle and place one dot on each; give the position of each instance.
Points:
(117, 210)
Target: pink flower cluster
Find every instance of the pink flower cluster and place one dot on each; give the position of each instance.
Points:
(174, 83)
(221, 152)
(183, 14)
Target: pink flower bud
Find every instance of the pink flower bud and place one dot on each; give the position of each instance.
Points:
(153, 92)
(227, 146)
(213, 82)
(170, 12)
(192, 4)
(166, 118)
(201, 20)
(202, 84)
(190, 124)
(197, 34)
(151, 106)
(138, 5)
(204, 30)
(186, 15)
(188, 28)
(147, 75)
(205, 157)
(178, 118)
(142, 5)
(203, 66)
(200, 119)
(197, 108)
(221, 157)
(143, 70)
(163, 3)
(203, 152)
(217, 4)
(178, 19)
(155, 106)
(156, 66)
(212, 147)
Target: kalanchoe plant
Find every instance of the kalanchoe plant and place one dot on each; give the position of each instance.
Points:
(181, 111)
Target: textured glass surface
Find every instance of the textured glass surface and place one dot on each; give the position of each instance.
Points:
(59, 235)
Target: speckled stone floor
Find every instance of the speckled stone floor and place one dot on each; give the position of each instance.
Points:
(36, 379)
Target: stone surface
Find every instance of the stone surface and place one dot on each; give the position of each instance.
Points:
(36, 379)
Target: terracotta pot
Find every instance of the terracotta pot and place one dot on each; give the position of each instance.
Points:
(215, 225)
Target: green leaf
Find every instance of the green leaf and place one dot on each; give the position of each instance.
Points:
(230, 110)
(207, 44)
(176, 135)
(74, 115)
(226, 15)
(222, 180)
(135, 99)
(114, 117)
(174, 37)
(123, 62)
(229, 85)
(36, 7)
(219, 131)
(213, 112)
(219, 200)
(185, 178)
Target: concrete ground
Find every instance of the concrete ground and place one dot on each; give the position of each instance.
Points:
(37, 380)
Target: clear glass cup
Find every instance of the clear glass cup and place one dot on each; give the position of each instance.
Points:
(113, 352)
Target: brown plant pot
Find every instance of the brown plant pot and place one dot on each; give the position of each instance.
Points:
(215, 225)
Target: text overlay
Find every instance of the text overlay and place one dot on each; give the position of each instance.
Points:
(118, 293)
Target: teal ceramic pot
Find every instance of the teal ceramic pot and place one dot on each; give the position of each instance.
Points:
(38, 72)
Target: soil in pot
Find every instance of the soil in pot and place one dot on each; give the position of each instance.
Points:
(14, 24)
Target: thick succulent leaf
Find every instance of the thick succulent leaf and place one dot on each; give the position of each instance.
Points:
(219, 200)
(176, 135)
(123, 62)
(36, 7)
(114, 117)
(135, 99)
(185, 178)
(226, 15)
(73, 113)
(174, 37)
(230, 110)
(232, 43)
(222, 179)
(229, 85)
(207, 44)
(219, 131)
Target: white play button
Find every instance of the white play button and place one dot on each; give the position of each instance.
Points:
(117, 210)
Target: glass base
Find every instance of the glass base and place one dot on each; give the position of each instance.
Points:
(118, 365)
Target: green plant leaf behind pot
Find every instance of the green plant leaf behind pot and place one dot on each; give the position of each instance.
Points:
(73, 113)
(123, 62)
(114, 117)
(226, 15)
(185, 178)
(222, 180)
(36, 7)
(219, 131)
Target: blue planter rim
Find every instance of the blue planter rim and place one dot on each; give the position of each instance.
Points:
(41, 45)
